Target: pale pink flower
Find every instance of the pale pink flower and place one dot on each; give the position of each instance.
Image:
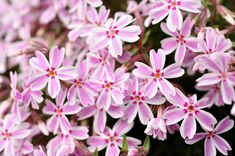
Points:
(213, 94)
(51, 72)
(113, 33)
(102, 64)
(213, 42)
(137, 103)
(100, 115)
(112, 139)
(157, 127)
(189, 110)
(180, 40)
(212, 139)
(62, 151)
(219, 74)
(54, 8)
(156, 75)
(31, 97)
(158, 10)
(16, 95)
(59, 121)
(10, 133)
(68, 140)
(81, 87)
(111, 91)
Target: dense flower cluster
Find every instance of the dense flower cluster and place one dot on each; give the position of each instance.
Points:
(69, 66)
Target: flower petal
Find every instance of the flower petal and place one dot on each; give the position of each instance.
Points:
(188, 127)
(56, 56)
(205, 119)
(130, 33)
(53, 87)
(173, 116)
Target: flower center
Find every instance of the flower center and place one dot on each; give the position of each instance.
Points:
(78, 83)
(112, 138)
(107, 85)
(173, 4)
(59, 112)
(211, 134)
(112, 32)
(158, 75)
(191, 108)
(7, 135)
(51, 73)
(180, 39)
(223, 75)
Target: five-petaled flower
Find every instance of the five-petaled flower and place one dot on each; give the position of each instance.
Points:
(179, 40)
(112, 35)
(189, 110)
(160, 9)
(112, 139)
(59, 121)
(156, 75)
(51, 72)
(213, 141)
(10, 132)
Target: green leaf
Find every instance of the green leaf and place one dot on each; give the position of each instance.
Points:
(147, 143)
(124, 144)
(96, 152)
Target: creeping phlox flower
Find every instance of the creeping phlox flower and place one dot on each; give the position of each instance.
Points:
(138, 103)
(180, 40)
(213, 141)
(189, 110)
(112, 139)
(10, 133)
(59, 121)
(62, 101)
(51, 73)
(213, 42)
(82, 87)
(158, 10)
(113, 33)
(156, 75)
(219, 74)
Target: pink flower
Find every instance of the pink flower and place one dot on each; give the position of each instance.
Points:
(50, 71)
(54, 8)
(213, 141)
(100, 115)
(111, 91)
(59, 112)
(10, 133)
(31, 97)
(219, 74)
(137, 103)
(113, 33)
(16, 95)
(213, 42)
(189, 110)
(160, 9)
(157, 128)
(180, 40)
(81, 87)
(102, 64)
(112, 139)
(213, 94)
(156, 75)
(66, 142)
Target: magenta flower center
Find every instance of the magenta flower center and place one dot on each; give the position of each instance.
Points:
(59, 112)
(211, 134)
(7, 135)
(223, 75)
(180, 39)
(173, 4)
(112, 32)
(78, 83)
